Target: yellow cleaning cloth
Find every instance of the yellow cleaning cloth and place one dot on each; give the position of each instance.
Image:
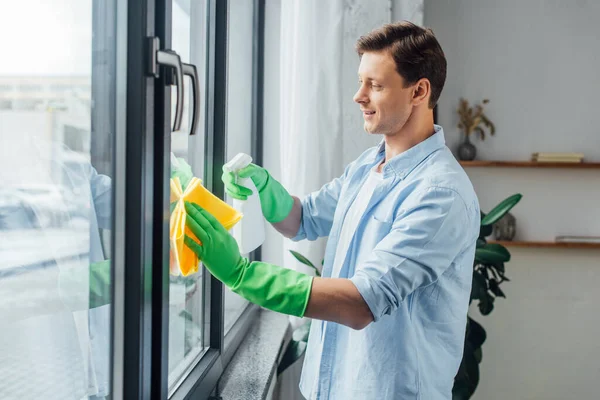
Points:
(182, 259)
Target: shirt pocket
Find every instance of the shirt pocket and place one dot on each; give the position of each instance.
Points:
(375, 230)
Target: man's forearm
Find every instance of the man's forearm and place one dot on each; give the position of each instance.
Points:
(338, 300)
(290, 225)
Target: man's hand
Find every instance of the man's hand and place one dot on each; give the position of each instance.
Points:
(275, 201)
(273, 287)
(219, 251)
(259, 177)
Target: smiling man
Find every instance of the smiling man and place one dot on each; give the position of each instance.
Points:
(402, 221)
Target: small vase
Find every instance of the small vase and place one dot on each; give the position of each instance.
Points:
(506, 227)
(467, 151)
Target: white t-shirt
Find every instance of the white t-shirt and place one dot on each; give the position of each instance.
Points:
(355, 212)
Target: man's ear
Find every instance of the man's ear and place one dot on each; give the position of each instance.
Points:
(421, 91)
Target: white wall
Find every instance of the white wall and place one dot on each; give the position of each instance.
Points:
(537, 61)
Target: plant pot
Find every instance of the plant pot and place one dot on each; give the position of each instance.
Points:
(467, 151)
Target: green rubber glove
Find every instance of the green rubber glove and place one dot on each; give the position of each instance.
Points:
(100, 284)
(270, 286)
(276, 203)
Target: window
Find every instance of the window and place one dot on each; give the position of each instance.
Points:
(74, 138)
(55, 207)
(61, 87)
(28, 88)
(84, 198)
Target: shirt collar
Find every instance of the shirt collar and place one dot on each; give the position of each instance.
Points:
(404, 162)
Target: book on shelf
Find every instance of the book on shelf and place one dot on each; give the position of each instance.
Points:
(577, 239)
(557, 157)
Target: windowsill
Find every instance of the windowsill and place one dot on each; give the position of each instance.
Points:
(252, 370)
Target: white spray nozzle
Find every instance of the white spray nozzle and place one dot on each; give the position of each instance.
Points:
(241, 160)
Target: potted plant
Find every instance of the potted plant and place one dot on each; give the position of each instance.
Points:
(472, 120)
(488, 275)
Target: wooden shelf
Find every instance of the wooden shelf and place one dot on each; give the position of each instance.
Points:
(530, 164)
(557, 245)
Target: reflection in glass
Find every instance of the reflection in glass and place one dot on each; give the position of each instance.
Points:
(55, 200)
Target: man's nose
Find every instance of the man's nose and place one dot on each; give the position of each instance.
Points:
(360, 96)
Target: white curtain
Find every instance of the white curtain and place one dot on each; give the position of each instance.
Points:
(320, 125)
(310, 102)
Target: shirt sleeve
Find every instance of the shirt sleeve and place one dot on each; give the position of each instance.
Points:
(423, 241)
(318, 209)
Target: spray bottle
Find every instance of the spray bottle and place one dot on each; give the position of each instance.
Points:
(250, 231)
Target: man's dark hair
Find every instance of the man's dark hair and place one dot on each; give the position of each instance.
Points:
(416, 52)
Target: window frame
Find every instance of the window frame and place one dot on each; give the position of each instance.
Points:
(133, 259)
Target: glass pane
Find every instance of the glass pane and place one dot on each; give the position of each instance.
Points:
(186, 319)
(239, 109)
(56, 133)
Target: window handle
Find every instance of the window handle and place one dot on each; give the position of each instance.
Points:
(191, 71)
(171, 59)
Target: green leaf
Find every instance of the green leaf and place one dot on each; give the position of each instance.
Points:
(478, 355)
(460, 391)
(493, 271)
(495, 288)
(499, 267)
(485, 230)
(501, 209)
(481, 242)
(293, 353)
(492, 253)
(467, 378)
(304, 261)
(486, 304)
(479, 286)
(476, 334)
(486, 272)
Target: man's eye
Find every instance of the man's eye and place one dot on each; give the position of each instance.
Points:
(376, 86)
